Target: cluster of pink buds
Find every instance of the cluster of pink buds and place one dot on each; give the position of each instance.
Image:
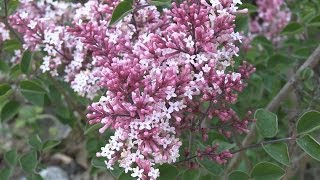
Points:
(43, 27)
(272, 17)
(211, 153)
(159, 69)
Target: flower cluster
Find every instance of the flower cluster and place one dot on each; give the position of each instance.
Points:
(4, 32)
(43, 27)
(272, 17)
(159, 69)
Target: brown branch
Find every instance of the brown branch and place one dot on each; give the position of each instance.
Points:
(311, 62)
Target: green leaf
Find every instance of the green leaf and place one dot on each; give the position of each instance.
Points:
(34, 176)
(267, 123)
(168, 172)
(50, 144)
(35, 142)
(242, 22)
(28, 161)
(308, 122)
(192, 174)
(267, 171)
(11, 45)
(92, 128)
(279, 152)
(117, 171)
(315, 21)
(211, 166)
(5, 92)
(160, 2)
(122, 10)
(4, 67)
(5, 173)
(251, 8)
(11, 157)
(306, 74)
(126, 176)
(99, 163)
(33, 92)
(292, 28)
(9, 110)
(310, 146)
(25, 64)
(238, 175)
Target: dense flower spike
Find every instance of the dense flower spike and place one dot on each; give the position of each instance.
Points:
(272, 17)
(159, 69)
(42, 24)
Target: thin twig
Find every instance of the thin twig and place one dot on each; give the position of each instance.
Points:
(257, 145)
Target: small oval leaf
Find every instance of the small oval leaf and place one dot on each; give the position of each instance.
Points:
(238, 175)
(9, 110)
(267, 171)
(279, 152)
(11, 157)
(310, 146)
(267, 123)
(25, 64)
(308, 122)
(28, 161)
(122, 10)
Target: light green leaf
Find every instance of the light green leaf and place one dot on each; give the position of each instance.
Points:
(9, 110)
(315, 21)
(211, 166)
(92, 128)
(126, 176)
(25, 64)
(28, 161)
(160, 2)
(99, 163)
(310, 146)
(238, 175)
(4, 68)
(33, 92)
(5, 173)
(5, 92)
(11, 45)
(306, 74)
(11, 157)
(168, 172)
(267, 123)
(50, 144)
(267, 171)
(308, 122)
(35, 142)
(292, 28)
(279, 152)
(191, 174)
(34, 176)
(122, 10)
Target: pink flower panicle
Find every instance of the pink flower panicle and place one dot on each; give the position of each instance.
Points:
(159, 69)
(42, 25)
(272, 17)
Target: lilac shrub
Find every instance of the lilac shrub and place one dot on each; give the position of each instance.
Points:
(159, 69)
